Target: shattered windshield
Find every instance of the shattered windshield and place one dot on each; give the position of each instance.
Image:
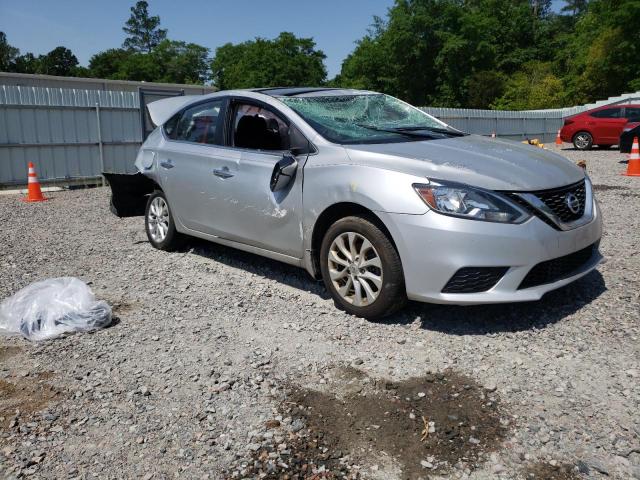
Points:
(367, 118)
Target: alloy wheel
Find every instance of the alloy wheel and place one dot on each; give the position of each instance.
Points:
(355, 269)
(582, 140)
(158, 219)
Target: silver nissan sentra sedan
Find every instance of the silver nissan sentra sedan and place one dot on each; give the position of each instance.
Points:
(382, 201)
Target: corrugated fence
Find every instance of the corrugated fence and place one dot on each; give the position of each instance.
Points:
(74, 134)
(516, 125)
(70, 134)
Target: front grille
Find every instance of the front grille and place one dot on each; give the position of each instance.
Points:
(556, 200)
(474, 279)
(558, 268)
(532, 210)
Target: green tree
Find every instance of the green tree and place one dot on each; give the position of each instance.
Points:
(428, 51)
(27, 63)
(532, 88)
(181, 62)
(8, 53)
(143, 29)
(575, 7)
(108, 63)
(602, 54)
(170, 61)
(484, 88)
(283, 61)
(59, 61)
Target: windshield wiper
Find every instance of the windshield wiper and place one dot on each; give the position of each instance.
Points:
(408, 133)
(448, 131)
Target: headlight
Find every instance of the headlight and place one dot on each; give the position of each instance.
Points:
(467, 202)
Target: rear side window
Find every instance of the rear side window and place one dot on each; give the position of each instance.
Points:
(201, 123)
(170, 126)
(608, 113)
(633, 114)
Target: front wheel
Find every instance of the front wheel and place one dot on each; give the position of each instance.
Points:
(159, 223)
(361, 268)
(583, 141)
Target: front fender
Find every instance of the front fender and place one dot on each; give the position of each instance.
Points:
(374, 188)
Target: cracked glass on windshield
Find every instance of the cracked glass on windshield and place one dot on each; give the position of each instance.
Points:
(366, 118)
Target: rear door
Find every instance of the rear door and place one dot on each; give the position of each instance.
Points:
(606, 125)
(195, 169)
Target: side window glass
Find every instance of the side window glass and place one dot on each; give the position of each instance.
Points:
(170, 126)
(633, 114)
(258, 128)
(608, 113)
(200, 123)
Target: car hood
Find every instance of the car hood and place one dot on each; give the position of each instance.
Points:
(489, 163)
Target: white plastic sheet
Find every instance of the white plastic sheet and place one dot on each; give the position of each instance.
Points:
(53, 307)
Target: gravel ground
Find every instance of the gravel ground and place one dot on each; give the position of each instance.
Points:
(221, 364)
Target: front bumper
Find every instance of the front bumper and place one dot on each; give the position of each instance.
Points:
(433, 247)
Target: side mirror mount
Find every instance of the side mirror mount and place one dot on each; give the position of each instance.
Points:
(283, 173)
(298, 144)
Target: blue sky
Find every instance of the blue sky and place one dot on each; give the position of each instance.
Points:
(89, 26)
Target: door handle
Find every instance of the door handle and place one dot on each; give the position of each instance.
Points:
(167, 164)
(222, 172)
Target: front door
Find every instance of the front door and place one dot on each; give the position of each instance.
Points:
(258, 216)
(608, 125)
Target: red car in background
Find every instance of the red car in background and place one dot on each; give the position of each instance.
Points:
(600, 126)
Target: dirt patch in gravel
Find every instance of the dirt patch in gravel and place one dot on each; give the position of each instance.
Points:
(8, 352)
(426, 424)
(121, 306)
(21, 397)
(546, 471)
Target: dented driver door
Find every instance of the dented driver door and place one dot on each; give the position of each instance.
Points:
(262, 218)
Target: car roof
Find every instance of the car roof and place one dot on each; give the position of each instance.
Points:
(309, 91)
(613, 105)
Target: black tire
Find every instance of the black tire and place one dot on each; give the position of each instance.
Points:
(172, 240)
(583, 141)
(391, 295)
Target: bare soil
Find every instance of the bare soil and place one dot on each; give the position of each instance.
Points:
(21, 397)
(545, 471)
(381, 416)
(7, 352)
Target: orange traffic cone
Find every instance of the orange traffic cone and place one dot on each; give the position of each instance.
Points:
(633, 167)
(34, 193)
(558, 139)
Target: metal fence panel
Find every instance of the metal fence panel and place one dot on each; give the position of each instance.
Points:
(57, 129)
(514, 125)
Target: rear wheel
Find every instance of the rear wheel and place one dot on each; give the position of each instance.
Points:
(583, 141)
(361, 268)
(159, 223)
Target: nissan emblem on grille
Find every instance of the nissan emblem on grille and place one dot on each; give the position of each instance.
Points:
(572, 202)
